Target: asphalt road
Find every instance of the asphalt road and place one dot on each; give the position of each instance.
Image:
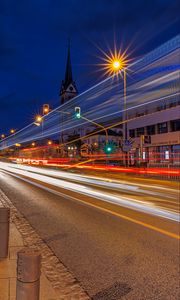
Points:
(116, 252)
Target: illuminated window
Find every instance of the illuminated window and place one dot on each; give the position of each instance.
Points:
(162, 127)
(166, 154)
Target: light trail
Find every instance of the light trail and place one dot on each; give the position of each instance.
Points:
(54, 178)
(65, 163)
(104, 101)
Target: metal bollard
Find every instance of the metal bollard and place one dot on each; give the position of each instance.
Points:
(28, 274)
(4, 231)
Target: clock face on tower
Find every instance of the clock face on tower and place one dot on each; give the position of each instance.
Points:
(71, 89)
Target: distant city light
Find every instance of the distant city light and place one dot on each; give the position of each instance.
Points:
(12, 131)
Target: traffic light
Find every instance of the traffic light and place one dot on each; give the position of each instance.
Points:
(108, 149)
(46, 109)
(78, 112)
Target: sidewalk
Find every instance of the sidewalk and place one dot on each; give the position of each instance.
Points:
(8, 271)
(56, 282)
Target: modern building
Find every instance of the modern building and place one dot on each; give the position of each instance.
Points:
(156, 135)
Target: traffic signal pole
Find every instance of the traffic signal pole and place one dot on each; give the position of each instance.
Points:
(99, 125)
(79, 116)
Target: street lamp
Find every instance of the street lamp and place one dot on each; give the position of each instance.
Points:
(39, 119)
(46, 109)
(12, 131)
(115, 64)
(3, 136)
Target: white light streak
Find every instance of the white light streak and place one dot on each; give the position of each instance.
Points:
(54, 178)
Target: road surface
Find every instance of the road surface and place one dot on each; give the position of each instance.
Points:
(120, 240)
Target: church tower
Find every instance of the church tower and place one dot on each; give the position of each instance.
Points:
(68, 87)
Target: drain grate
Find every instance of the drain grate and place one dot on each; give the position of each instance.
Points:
(114, 292)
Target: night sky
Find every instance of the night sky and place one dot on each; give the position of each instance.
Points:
(33, 45)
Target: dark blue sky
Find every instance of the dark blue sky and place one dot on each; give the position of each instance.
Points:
(33, 45)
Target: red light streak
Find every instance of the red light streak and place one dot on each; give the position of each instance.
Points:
(66, 163)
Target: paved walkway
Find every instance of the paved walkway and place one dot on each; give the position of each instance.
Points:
(56, 282)
(8, 271)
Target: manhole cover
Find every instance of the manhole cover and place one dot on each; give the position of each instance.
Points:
(114, 292)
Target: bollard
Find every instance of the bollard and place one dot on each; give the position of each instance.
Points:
(4, 231)
(28, 274)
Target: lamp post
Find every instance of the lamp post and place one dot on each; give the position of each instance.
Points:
(116, 64)
(39, 122)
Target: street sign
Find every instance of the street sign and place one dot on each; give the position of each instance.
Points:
(126, 142)
(126, 148)
(127, 145)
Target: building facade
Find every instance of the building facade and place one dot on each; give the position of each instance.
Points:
(156, 136)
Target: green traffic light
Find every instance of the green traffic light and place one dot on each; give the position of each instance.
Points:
(108, 149)
(78, 115)
(77, 112)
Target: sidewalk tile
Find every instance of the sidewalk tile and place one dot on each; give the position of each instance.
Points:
(4, 289)
(12, 289)
(7, 268)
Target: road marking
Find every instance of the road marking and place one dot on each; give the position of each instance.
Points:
(170, 234)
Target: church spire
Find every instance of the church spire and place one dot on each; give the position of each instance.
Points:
(68, 74)
(68, 87)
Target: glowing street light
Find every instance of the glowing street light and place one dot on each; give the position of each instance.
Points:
(33, 144)
(114, 63)
(117, 63)
(12, 131)
(38, 119)
(46, 109)
(3, 136)
(49, 142)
